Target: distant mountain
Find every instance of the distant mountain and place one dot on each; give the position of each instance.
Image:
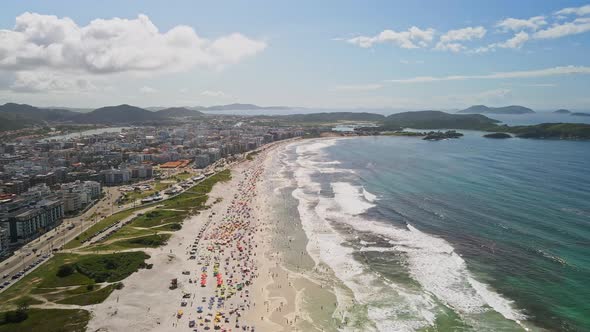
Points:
(580, 114)
(240, 107)
(334, 116)
(177, 112)
(438, 120)
(73, 109)
(562, 111)
(482, 109)
(121, 114)
(37, 114)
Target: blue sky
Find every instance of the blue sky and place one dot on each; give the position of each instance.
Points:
(330, 54)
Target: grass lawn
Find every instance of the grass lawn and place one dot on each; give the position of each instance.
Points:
(168, 227)
(88, 298)
(110, 220)
(150, 241)
(182, 176)
(89, 269)
(50, 320)
(56, 295)
(196, 197)
(129, 231)
(135, 195)
(158, 217)
(44, 277)
(111, 267)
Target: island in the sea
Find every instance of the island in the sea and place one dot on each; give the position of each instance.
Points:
(440, 135)
(562, 111)
(482, 109)
(497, 135)
(580, 114)
(441, 120)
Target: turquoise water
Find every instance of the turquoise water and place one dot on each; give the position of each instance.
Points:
(481, 233)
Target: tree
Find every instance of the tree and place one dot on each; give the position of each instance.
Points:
(65, 270)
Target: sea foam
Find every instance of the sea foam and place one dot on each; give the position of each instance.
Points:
(431, 260)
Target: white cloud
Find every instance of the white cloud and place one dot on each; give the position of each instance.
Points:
(213, 93)
(515, 42)
(463, 34)
(147, 90)
(448, 41)
(453, 47)
(412, 38)
(38, 81)
(515, 24)
(580, 11)
(114, 45)
(554, 71)
(359, 87)
(577, 26)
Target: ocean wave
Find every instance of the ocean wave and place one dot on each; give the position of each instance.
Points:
(350, 198)
(368, 196)
(431, 260)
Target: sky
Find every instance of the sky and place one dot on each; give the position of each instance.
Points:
(336, 54)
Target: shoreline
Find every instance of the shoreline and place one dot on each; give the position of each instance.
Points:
(265, 301)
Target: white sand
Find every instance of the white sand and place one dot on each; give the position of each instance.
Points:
(147, 304)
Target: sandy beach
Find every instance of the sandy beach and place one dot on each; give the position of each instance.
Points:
(228, 273)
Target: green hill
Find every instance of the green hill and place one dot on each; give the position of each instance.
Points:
(121, 114)
(438, 120)
(551, 130)
(178, 112)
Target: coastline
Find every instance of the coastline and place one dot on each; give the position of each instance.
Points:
(270, 302)
(291, 300)
(301, 283)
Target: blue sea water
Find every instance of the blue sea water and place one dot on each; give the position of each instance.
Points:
(465, 234)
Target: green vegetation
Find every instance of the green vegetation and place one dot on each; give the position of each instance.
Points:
(88, 298)
(482, 109)
(158, 217)
(112, 267)
(74, 278)
(441, 120)
(439, 135)
(135, 195)
(251, 155)
(106, 222)
(551, 130)
(182, 176)
(51, 320)
(196, 197)
(57, 294)
(436, 120)
(150, 241)
(169, 227)
(497, 135)
(127, 231)
(79, 270)
(403, 133)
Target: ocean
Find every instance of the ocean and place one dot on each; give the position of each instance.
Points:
(470, 234)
